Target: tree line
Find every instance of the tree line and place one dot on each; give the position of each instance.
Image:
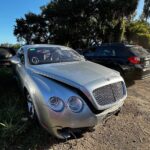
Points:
(80, 23)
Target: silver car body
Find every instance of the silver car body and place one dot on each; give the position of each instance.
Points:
(79, 78)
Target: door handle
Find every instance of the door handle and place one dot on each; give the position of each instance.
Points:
(19, 65)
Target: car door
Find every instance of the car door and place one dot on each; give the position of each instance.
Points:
(20, 68)
(105, 55)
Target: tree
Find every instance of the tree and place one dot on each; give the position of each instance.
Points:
(31, 29)
(138, 32)
(146, 10)
(122, 11)
(76, 22)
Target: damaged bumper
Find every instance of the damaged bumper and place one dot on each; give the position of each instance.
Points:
(62, 126)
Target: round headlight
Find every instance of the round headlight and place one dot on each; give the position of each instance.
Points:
(75, 104)
(56, 104)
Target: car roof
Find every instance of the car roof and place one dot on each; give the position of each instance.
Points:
(9, 49)
(26, 47)
(118, 44)
(112, 44)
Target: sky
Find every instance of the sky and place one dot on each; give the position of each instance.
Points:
(140, 8)
(12, 9)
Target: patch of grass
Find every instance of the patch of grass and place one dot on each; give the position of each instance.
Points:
(11, 109)
(15, 133)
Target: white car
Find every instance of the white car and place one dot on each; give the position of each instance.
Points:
(65, 91)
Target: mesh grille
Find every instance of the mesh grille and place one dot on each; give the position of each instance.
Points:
(109, 93)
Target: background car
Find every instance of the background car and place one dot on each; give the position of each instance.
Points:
(5, 55)
(148, 50)
(133, 62)
(64, 90)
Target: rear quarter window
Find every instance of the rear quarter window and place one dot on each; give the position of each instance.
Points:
(89, 53)
(138, 51)
(105, 51)
(122, 51)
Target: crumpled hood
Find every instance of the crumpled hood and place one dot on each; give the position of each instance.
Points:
(77, 74)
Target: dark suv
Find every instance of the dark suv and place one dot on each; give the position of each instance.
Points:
(133, 62)
(5, 55)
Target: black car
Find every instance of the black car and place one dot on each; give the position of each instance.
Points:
(5, 55)
(133, 62)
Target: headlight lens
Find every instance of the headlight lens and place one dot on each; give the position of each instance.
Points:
(75, 104)
(56, 104)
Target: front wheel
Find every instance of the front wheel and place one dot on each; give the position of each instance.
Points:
(30, 107)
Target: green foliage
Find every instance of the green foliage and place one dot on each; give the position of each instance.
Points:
(10, 119)
(14, 46)
(76, 22)
(15, 133)
(32, 29)
(139, 32)
(146, 10)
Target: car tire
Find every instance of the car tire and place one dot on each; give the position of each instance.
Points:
(31, 113)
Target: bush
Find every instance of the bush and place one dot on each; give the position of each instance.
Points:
(138, 32)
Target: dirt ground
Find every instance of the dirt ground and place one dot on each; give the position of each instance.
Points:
(130, 130)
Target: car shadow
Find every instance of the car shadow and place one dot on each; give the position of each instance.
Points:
(129, 83)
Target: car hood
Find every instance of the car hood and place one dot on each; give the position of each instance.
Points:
(4, 54)
(77, 74)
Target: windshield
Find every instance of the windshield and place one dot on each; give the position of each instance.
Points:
(50, 55)
(139, 50)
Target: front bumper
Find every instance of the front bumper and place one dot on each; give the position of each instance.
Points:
(137, 73)
(5, 63)
(142, 73)
(102, 116)
(56, 122)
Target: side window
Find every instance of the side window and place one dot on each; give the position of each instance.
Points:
(90, 53)
(122, 52)
(105, 52)
(20, 54)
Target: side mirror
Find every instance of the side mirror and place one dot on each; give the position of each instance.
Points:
(83, 56)
(15, 60)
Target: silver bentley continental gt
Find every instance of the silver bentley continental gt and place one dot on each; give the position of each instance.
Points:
(65, 91)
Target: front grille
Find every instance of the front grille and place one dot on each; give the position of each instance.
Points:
(109, 94)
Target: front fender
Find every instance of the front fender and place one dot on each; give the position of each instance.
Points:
(42, 89)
